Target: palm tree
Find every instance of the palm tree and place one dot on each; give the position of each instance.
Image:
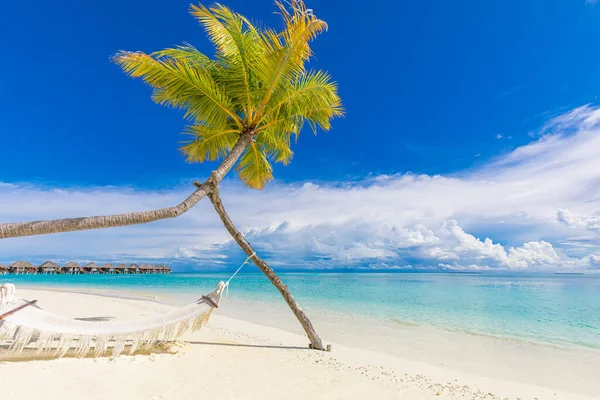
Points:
(246, 102)
(244, 106)
(256, 91)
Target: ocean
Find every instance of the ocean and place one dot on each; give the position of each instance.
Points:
(560, 310)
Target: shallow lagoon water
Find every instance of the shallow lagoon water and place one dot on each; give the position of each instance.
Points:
(561, 310)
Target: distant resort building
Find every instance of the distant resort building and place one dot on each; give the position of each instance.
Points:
(22, 268)
(72, 268)
(91, 268)
(125, 269)
(108, 269)
(49, 268)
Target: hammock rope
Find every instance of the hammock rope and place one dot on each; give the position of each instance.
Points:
(236, 272)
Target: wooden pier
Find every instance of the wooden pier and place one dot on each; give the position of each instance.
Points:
(72, 268)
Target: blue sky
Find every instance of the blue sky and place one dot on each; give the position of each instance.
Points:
(442, 99)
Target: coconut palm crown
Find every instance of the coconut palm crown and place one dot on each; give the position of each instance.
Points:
(256, 84)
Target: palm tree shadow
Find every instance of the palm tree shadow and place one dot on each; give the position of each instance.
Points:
(259, 346)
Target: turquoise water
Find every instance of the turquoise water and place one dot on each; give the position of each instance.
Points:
(556, 309)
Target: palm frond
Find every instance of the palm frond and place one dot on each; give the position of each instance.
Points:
(256, 83)
(312, 97)
(254, 169)
(238, 44)
(182, 84)
(208, 143)
(288, 50)
(276, 144)
(188, 52)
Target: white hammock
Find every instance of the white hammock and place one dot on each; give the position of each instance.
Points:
(38, 333)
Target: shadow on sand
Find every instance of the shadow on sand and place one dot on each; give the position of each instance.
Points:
(260, 346)
(95, 319)
(30, 354)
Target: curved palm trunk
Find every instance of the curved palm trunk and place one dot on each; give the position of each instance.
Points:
(315, 340)
(17, 229)
(208, 187)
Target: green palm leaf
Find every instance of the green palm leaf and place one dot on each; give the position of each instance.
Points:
(254, 168)
(256, 84)
(208, 143)
(181, 83)
(277, 145)
(237, 45)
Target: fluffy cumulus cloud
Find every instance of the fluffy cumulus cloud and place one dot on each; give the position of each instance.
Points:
(591, 222)
(534, 209)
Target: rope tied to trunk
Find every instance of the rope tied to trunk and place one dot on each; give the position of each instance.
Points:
(236, 272)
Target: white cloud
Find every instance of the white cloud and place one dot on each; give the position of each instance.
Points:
(591, 222)
(446, 245)
(519, 203)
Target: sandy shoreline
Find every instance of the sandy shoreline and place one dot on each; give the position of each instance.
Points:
(237, 359)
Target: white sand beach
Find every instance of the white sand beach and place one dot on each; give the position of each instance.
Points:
(236, 359)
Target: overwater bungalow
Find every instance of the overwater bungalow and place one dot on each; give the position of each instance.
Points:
(147, 269)
(22, 268)
(161, 269)
(164, 269)
(4, 269)
(122, 269)
(72, 268)
(134, 269)
(107, 268)
(142, 269)
(49, 268)
(91, 268)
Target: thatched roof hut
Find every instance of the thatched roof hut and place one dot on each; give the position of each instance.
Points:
(159, 268)
(165, 269)
(49, 267)
(4, 269)
(71, 268)
(146, 269)
(107, 268)
(91, 268)
(122, 268)
(21, 267)
(151, 269)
